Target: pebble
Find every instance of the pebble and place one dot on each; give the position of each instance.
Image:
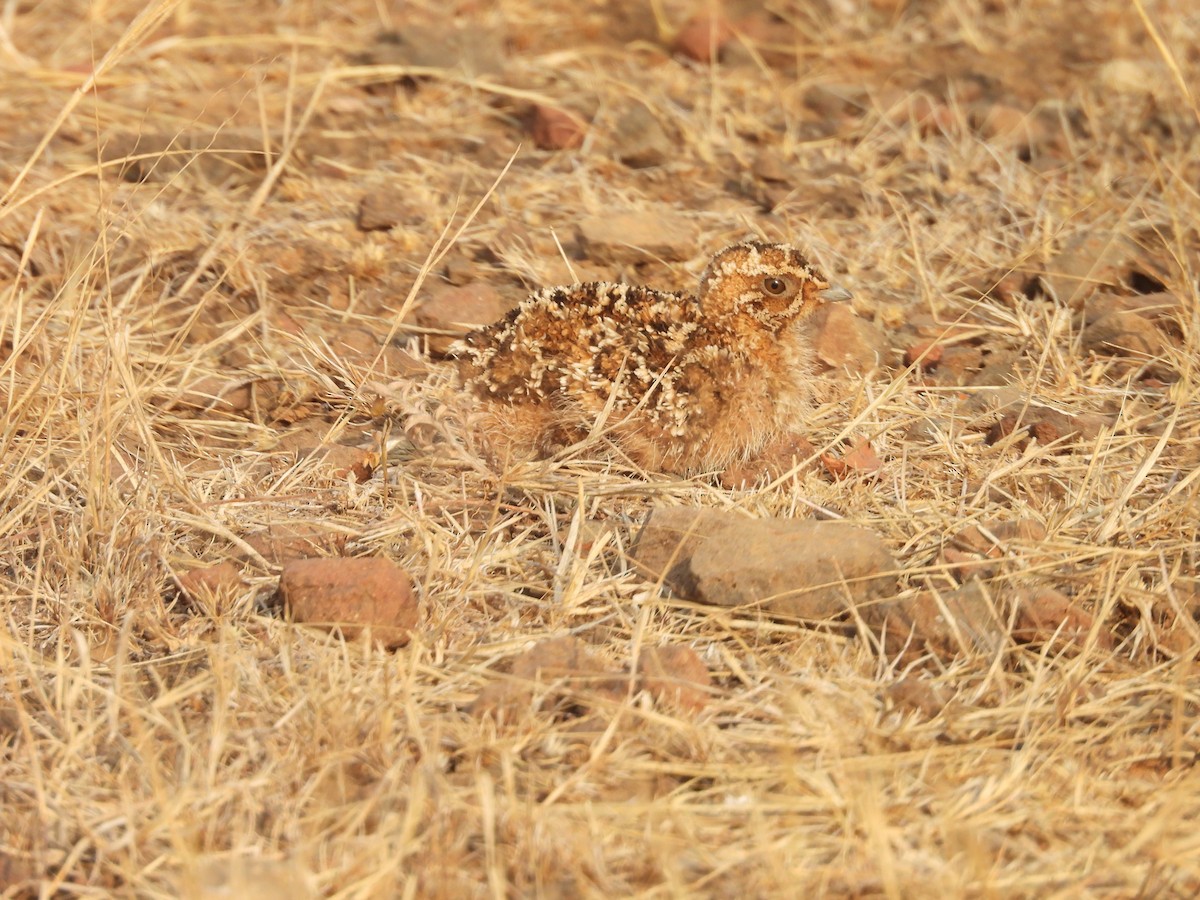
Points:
(457, 309)
(354, 595)
(556, 129)
(634, 236)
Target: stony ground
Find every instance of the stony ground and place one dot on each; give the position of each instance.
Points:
(942, 646)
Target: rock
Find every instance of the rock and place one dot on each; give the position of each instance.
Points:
(846, 342)
(925, 354)
(1045, 615)
(971, 552)
(675, 675)
(835, 99)
(1128, 76)
(807, 570)
(958, 365)
(640, 139)
(214, 393)
(344, 461)
(383, 208)
(1092, 260)
(210, 584)
(1161, 307)
(474, 50)
(915, 693)
(702, 37)
(284, 541)
(574, 672)
(1125, 334)
(556, 129)
(454, 310)
(354, 595)
(776, 459)
(966, 621)
(632, 237)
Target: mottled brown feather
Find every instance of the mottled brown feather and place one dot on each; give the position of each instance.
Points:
(691, 383)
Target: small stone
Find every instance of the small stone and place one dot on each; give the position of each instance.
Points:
(284, 541)
(916, 693)
(1128, 76)
(455, 310)
(1045, 615)
(214, 393)
(383, 209)
(212, 586)
(834, 99)
(632, 237)
(966, 621)
(844, 341)
(702, 37)
(564, 663)
(353, 595)
(926, 354)
(640, 139)
(1125, 334)
(1088, 262)
(556, 129)
(676, 675)
(344, 461)
(797, 569)
(476, 51)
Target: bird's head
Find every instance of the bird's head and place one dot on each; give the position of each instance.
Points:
(773, 285)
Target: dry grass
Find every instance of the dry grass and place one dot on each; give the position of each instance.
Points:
(154, 748)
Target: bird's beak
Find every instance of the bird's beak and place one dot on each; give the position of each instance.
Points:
(835, 293)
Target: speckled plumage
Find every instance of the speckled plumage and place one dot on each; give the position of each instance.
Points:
(682, 383)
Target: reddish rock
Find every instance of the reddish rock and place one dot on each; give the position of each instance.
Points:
(702, 37)
(556, 129)
(383, 209)
(212, 584)
(285, 541)
(634, 236)
(343, 461)
(926, 354)
(675, 674)
(1045, 615)
(451, 311)
(1125, 334)
(966, 621)
(353, 595)
(1092, 260)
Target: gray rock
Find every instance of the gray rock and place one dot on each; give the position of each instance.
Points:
(800, 569)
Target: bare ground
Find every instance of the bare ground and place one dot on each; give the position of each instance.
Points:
(190, 307)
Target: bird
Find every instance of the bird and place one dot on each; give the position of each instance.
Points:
(682, 383)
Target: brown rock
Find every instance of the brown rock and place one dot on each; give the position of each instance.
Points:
(556, 129)
(1094, 260)
(926, 354)
(836, 99)
(675, 674)
(964, 621)
(1045, 615)
(453, 310)
(632, 237)
(344, 462)
(214, 393)
(916, 693)
(212, 586)
(1125, 334)
(284, 541)
(846, 342)
(383, 209)
(640, 139)
(958, 365)
(475, 50)
(702, 37)
(354, 595)
(973, 551)
(575, 673)
(808, 570)
(1162, 307)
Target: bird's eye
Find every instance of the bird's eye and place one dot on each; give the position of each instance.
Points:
(774, 286)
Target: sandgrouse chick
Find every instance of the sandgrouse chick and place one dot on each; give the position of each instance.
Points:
(682, 383)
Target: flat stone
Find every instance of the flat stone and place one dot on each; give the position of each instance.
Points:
(353, 595)
(633, 237)
(797, 569)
